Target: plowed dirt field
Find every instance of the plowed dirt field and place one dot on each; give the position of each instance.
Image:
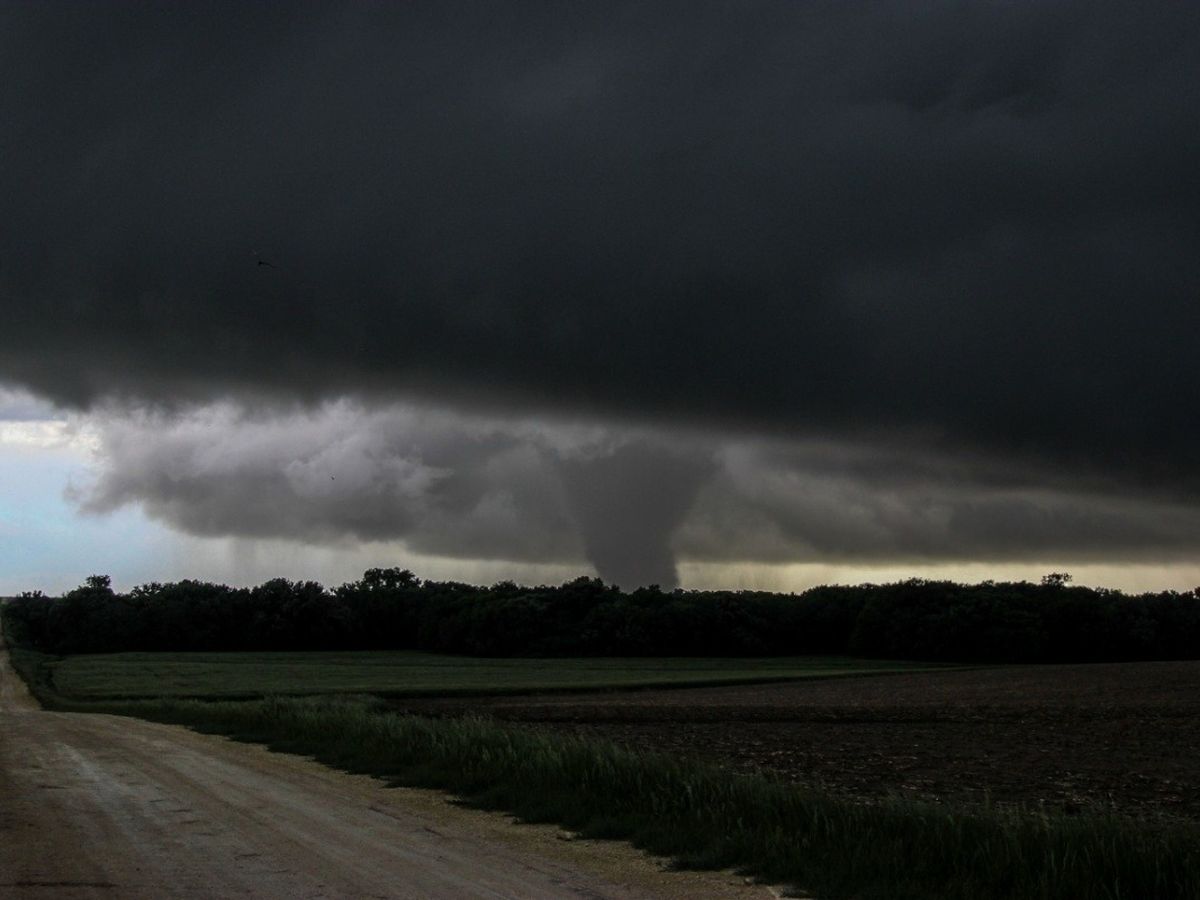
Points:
(1122, 737)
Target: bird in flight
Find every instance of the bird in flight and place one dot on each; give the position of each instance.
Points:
(263, 262)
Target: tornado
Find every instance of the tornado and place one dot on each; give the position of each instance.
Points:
(628, 503)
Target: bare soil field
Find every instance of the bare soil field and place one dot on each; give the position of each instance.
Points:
(1123, 737)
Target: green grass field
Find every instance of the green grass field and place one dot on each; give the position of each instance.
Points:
(395, 674)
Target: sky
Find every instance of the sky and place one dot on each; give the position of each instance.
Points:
(757, 294)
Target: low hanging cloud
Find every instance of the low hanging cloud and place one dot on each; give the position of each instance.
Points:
(631, 502)
(818, 502)
(338, 473)
(468, 487)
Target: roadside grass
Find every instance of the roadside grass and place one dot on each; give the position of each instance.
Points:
(700, 816)
(408, 674)
(34, 669)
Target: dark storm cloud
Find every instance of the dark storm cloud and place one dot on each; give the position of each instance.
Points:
(628, 501)
(967, 225)
(823, 502)
(829, 280)
(444, 484)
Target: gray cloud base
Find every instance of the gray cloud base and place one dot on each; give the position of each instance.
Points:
(627, 500)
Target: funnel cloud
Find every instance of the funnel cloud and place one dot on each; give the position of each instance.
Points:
(628, 504)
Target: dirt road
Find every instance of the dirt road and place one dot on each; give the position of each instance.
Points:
(107, 807)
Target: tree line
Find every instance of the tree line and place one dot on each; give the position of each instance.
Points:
(392, 609)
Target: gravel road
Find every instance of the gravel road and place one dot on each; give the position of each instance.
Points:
(108, 807)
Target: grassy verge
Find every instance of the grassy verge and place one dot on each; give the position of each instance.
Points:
(704, 817)
(37, 671)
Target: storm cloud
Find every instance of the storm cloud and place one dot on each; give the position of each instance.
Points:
(444, 484)
(954, 234)
(627, 501)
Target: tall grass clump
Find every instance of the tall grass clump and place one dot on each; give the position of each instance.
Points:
(707, 818)
(36, 673)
